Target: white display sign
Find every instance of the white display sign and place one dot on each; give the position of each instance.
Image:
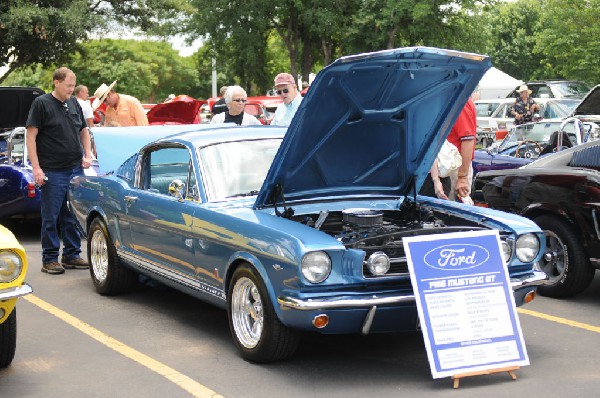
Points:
(465, 302)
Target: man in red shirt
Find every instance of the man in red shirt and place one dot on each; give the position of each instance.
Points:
(462, 136)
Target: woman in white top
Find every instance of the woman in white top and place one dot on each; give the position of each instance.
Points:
(235, 99)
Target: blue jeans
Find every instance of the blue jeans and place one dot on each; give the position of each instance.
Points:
(55, 214)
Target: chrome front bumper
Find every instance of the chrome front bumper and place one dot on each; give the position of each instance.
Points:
(17, 291)
(536, 278)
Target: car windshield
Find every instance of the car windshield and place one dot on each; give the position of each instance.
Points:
(570, 89)
(538, 132)
(559, 108)
(237, 168)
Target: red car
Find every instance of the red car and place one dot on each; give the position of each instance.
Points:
(182, 109)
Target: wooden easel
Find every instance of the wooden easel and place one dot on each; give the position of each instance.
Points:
(509, 369)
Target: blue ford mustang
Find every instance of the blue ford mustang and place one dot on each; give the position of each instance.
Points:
(299, 229)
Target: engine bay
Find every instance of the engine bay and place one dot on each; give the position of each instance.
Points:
(378, 231)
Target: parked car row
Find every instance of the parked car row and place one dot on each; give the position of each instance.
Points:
(493, 115)
(549, 171)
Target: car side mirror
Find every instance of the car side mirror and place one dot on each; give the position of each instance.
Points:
(177, 189)
(492, 149)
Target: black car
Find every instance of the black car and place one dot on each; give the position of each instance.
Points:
(561, 193)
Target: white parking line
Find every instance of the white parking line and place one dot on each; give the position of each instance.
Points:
(181, 380)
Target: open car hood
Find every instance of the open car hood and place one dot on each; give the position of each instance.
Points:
(14, 104)
(182, 109)
(372, 124)
(590, 105)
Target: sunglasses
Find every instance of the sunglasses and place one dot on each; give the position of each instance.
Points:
(285, 91)
(65, 107)
(239, 100)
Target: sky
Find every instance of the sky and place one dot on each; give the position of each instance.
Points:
(184, 49)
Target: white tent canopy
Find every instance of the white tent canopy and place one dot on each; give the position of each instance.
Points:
(496, 84)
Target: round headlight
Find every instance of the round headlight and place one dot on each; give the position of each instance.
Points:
(316, 266)
(10, 266)
(378, 263)
(527, 247)
(506, 251)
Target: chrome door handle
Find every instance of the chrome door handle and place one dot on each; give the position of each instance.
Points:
(130, 199)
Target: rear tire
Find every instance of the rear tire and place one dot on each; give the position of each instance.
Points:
(564, 261)
(254, 325)
(108, 274)
(8, 339)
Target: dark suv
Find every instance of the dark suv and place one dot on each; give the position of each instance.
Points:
(554, 89)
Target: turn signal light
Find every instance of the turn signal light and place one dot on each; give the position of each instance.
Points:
(31, 190)
(320, 321)
(530, 296)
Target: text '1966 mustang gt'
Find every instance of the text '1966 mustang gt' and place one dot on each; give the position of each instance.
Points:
(299, 229)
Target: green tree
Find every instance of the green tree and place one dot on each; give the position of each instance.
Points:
(567, 41)
(514, 27)
(46, 31)
(43, 32)
(148, 70)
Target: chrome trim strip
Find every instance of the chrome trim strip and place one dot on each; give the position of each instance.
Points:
(535, 279)
(172, 274)
(332, 303)
(17, 291)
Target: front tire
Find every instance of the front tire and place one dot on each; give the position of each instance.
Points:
(254, 325)
(564, 260)
(108, 274)
(8, 339)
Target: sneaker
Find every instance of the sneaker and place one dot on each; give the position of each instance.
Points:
(75, 263)
(53, 268)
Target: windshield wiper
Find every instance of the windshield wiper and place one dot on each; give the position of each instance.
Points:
(244, 194)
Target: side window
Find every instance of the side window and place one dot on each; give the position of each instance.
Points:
(543, 92)
(502, 110)
(165, 165)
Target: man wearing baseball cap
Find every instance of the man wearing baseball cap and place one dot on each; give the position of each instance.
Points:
(286, 88)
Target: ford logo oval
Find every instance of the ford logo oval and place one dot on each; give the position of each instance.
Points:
(456, 256)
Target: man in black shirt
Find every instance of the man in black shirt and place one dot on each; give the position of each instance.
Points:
(58, 144)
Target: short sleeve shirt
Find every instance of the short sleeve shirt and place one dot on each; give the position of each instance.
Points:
(58, 143)
(129, 112)
(86, 107)
(285, 112)
(465, 126)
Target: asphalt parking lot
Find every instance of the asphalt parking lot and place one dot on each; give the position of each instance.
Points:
(157, 342)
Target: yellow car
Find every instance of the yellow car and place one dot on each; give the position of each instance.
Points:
(13, 267)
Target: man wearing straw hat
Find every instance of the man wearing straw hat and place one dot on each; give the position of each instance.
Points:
(121, 109)
(524, 107)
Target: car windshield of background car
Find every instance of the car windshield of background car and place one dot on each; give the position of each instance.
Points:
(237, 168)
(572, 89)
(559, 108)
(538, 132)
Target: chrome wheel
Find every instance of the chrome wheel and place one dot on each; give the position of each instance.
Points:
(247, 313)
(554, 262)
(99, 255)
